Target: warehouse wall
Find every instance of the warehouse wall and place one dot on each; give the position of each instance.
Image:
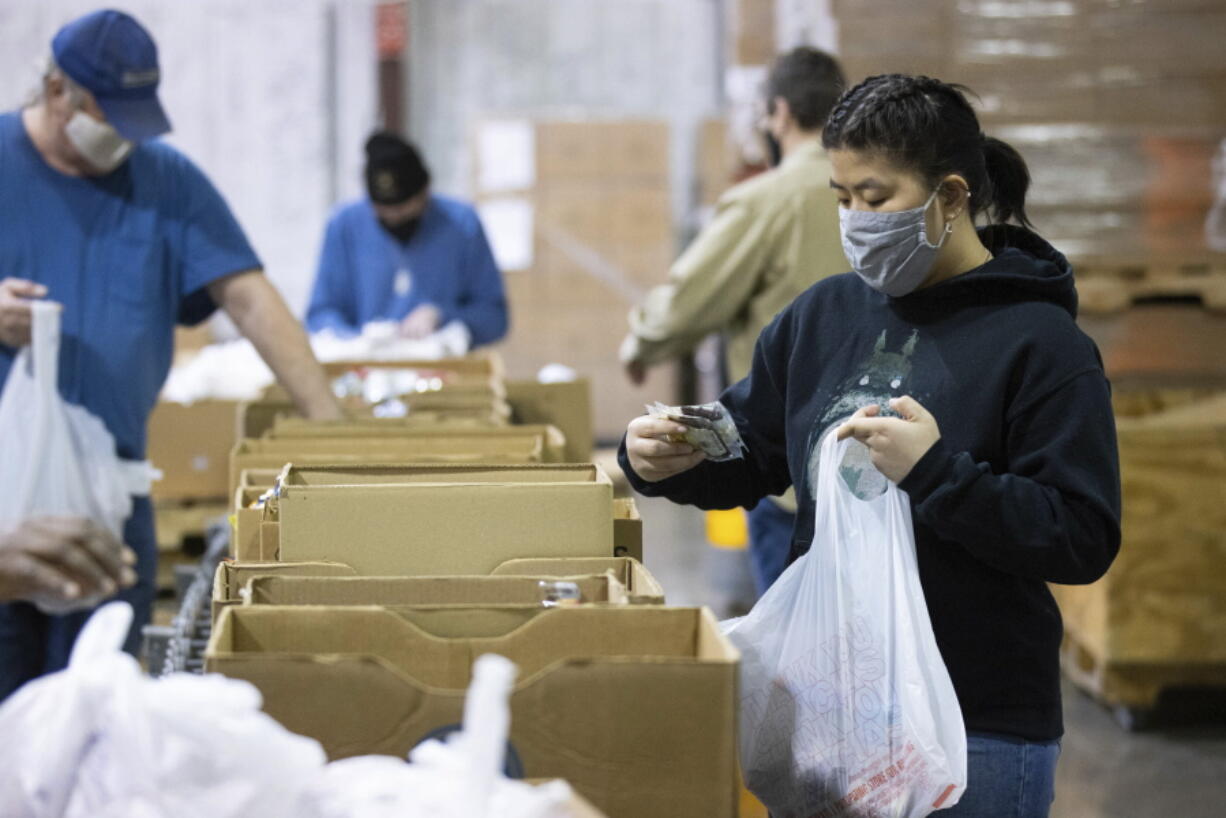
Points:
(599, 106)
(272, 99)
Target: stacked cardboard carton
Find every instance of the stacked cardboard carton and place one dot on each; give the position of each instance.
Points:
(376, 559)
(602, 233)
(1119, 107)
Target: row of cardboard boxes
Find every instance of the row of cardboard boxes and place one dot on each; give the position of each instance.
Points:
(376, 559)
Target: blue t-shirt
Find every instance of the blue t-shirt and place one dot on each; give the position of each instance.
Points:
(367, 275)
(128, 254)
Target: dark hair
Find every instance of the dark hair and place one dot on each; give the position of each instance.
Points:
(928, 126)
(810, 80)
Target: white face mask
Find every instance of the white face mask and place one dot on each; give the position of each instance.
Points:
(97, 142)
(890, 251)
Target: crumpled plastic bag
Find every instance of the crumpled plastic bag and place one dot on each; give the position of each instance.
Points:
(102, 740)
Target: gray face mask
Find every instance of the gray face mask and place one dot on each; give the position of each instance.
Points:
(890, 251)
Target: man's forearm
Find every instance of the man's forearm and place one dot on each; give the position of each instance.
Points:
(263, 318)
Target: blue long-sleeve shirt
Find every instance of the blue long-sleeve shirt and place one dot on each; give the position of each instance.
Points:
(367, 275)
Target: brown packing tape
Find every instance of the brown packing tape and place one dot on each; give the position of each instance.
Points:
(606, 694)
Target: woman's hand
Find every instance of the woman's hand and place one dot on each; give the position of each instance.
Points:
(653, 454)
(896, 444)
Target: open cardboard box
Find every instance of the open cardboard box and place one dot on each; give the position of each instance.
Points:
(441, 519)
(256, 418)
(634, 706)
(256, 539)
(506, 444)
(553, 439)
(428, 591)
(641, 588)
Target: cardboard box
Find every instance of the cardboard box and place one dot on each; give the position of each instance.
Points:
(634, 706)
(191, 445)
(442, 519)
(566, 406)
(481, 365)
(627, 529)
(641, 587)
(430, 591)
(529, 444)
(231, 577)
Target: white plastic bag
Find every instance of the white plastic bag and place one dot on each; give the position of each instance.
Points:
(58, 458)
(102, 740)
(847, 708)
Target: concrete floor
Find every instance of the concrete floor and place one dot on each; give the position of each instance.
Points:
(1174, 769)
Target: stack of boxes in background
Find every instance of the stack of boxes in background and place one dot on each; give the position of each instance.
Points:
(600, 235)
(373, 560)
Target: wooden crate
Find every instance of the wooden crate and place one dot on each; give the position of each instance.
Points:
(1157, 620)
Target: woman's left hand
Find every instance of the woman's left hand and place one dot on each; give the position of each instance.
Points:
(897, 444)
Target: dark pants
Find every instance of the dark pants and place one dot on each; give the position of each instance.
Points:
(33, 643)
(770, 542)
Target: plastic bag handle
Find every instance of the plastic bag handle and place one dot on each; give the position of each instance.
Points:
(43, 357)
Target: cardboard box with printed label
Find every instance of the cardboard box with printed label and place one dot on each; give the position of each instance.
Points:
(442, 519)
(634, 706)
(641, 587)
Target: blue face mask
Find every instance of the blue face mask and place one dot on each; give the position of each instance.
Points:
(890, 251)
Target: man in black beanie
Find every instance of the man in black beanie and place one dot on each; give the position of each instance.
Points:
(407, 255)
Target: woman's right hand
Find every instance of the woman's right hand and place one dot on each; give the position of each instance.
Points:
(653, 454)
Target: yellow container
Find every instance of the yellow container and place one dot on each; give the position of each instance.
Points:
(728, 528)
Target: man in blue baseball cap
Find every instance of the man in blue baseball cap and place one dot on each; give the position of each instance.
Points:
(131, 238)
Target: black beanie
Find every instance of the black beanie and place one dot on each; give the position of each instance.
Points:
(394, 170)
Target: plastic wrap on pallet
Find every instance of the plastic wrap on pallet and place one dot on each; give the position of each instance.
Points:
(1118, 106)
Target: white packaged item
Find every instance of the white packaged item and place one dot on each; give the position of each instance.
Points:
(847, 708)
(59, 460)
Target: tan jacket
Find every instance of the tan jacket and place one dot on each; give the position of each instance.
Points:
(772, 237)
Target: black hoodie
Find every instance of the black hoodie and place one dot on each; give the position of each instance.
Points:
(1022, 488)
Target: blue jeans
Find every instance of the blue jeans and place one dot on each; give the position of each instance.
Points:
(770, 542)
(33, 643)
(1007, 777)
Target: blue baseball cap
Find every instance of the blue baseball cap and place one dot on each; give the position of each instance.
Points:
(111, 55)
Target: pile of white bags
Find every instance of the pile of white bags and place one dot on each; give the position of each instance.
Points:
(102, 740)
(847, 708)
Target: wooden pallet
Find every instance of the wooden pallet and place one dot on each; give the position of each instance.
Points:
(1132, 691)
(1106, 284)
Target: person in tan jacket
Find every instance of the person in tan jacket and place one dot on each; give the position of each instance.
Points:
(772, 237)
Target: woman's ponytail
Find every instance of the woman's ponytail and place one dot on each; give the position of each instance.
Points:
(1008, 181)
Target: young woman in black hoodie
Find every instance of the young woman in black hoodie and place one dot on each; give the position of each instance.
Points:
(955, 352)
